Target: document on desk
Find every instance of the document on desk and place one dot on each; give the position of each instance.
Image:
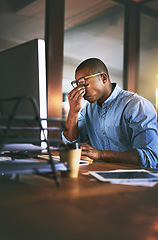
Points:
(138, 177)
(57, 158)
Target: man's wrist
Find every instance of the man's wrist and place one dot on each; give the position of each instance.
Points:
(73, 113)
(101, 154)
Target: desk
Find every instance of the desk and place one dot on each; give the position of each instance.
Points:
(81, 209)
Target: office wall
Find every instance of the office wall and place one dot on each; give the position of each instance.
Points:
(147, 83)
(100, 37)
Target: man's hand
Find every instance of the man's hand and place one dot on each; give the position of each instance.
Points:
(89, 151)
(128, 157)
(75, 97)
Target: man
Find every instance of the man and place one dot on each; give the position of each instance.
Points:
(116, 125)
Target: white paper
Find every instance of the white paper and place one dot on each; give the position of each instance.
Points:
(143, 184)
(44, 156)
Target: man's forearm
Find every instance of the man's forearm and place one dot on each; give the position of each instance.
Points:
(130, 156)
(71, 127)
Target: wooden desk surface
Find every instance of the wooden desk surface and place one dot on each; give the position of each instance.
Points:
(82, 208)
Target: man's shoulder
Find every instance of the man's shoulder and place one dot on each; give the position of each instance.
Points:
(132, 101)
(133, 97)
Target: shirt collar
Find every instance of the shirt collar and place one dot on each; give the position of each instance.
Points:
(113, 95)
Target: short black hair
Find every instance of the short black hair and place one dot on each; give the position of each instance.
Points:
(94, 64)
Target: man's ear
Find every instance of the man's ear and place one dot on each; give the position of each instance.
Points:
(104, 77)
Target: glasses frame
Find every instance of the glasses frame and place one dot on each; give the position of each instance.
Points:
(85, 78)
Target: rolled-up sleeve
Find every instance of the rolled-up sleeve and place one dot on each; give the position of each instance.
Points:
(143, 122)
(64, 139)
(149, 153)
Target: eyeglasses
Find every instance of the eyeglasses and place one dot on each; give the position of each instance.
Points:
(83, 80)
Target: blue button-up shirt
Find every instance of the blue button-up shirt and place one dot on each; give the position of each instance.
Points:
(124, 121)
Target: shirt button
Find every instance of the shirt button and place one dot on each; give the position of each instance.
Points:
(103, 132)
(103, 115)
(109, 106)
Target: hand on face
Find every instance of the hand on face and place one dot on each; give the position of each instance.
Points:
(75, 97)
(89, 151)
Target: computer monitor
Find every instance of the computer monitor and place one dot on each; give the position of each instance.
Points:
(23, 73)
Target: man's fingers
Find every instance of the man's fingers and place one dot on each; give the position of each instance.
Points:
(85, 145)
(84, 152)
(76, 93)
(79, 94)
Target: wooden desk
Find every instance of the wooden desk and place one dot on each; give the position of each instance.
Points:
(81, 209)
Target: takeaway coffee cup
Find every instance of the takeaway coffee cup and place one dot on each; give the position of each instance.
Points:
(71, 157)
